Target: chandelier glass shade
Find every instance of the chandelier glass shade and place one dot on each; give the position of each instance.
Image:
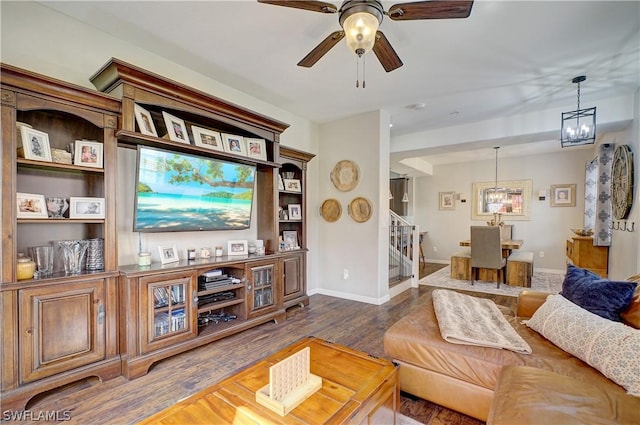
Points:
(497, 195)
(360, 21)
(579, 126)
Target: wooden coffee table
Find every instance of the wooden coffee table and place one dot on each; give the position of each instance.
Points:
(356, 389)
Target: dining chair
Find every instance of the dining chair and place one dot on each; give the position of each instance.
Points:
(486, 252)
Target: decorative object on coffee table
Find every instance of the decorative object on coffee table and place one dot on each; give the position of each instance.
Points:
(345, 175)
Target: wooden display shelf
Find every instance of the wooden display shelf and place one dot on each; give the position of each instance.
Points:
(205, 308)
(57, 166)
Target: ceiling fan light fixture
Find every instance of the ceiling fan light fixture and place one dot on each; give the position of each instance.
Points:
(360, 21)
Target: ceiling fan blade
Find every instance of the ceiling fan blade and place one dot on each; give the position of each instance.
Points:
(385, 53)
(433, 9)
(314, 6)
(321, 49)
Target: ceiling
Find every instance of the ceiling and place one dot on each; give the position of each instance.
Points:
(509, 57)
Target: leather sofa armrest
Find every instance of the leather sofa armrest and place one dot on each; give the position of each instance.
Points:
(529, 302)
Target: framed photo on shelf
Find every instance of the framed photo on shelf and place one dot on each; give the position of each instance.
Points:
(280, 183)
(144, 120)
(88, 153)
(295, 212)
(31, 205)
(290, 238)
(176, 128)
(35, 144)
(256, 148)
(238, 247)
(168, 254)
(447, 200)
(563, 195)
(207, 138)
(234, 144)
(86, 207)
(292, 185)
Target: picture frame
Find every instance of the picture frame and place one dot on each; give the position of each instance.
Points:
(237, 247)
(234, 144)
(295, 212)
(206, 138)
(292, 185)
(93, 208)
(516, 194)
(35, 144)
(144, 120)
(447, 200)
(31, 205)
(290, 238)
(168, 254)
(280, 183)
(176, 128)
(256, 148)
(88, 153)
(563, 195)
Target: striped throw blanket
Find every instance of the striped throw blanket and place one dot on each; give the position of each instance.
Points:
(464, 319)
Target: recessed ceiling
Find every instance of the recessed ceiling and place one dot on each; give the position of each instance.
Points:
(507, 58)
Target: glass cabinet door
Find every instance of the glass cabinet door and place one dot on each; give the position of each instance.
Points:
(262, 286)
(169, 308)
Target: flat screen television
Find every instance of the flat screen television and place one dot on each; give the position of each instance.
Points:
(178, 192)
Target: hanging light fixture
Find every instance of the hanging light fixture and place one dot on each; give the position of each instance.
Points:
(495, 197)
(405, 198)
(579, 126)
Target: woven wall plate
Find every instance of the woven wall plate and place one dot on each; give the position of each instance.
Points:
(345, 175)
(331, 210)
(360, 209)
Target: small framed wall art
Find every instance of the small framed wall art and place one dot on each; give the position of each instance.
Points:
(234, 144)
(447, 200)
(563, 195)
(168, 254)
(35, 144)
(31, 206)
(86, 207)
(176, 128)
(208, 139)
(88, 153)
(144, 120)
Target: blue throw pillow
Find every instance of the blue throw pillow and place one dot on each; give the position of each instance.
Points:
(606, 298)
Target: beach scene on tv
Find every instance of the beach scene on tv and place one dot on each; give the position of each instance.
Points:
(181, 192)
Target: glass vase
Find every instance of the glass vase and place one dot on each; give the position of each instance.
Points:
(73, 253)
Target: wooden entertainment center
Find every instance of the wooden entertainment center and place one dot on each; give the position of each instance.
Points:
(61, 328)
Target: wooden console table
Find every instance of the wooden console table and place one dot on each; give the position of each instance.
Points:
(356, 388)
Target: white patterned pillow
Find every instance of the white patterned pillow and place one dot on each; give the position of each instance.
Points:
(611, 347)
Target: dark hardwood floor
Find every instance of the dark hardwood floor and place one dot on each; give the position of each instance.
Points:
(357, 325)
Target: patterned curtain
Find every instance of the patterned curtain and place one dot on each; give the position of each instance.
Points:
(602, 229)
(590, 194)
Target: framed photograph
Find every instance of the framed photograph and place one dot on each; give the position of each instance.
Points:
(31, 206)
(144, 120)
(256, 148)
(176, 128)
(295, 212)
(207, 138)
(447, 200)
(35, 144)
(234, 144)
(237, 248)
(88, 153)
(290, 238)
(280, 183)
(86, 207)
(292, 185)
(168, 254)
(563, 195)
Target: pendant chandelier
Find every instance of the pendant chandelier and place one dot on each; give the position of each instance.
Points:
(495, 198)
(579, 126)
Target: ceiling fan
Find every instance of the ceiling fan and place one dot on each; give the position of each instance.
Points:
(360, 20)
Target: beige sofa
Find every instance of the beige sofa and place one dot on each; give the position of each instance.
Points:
(464, 378)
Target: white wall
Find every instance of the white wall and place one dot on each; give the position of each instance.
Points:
(36, 38)
(346, 244)
(546, 231)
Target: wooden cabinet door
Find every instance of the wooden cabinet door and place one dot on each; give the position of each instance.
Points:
(261, 288)
(62, 327)
(292, 276)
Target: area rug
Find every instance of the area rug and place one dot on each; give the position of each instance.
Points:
(546, 282)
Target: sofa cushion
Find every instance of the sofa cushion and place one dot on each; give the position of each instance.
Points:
(603, 297)
(631, 315)
(608, 346)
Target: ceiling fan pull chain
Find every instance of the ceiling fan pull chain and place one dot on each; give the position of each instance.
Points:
(364, 70)
(357, 71)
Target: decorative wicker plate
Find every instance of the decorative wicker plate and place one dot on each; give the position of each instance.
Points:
(345, 175)
(331, 210)
(360, 209)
